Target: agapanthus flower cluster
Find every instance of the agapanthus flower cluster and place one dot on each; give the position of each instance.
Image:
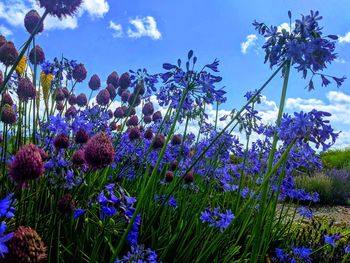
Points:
(6, 211)
(217, 219)
(139, 254)
(298, 254)
(198, 87)
(303, 45)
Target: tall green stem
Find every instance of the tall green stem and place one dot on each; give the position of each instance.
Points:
(259, 238)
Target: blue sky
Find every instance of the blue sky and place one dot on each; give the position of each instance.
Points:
(119, 35)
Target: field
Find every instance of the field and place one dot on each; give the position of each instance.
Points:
(116, 174)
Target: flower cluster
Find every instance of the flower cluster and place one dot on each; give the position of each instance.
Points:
(304, 46)
(217, 219)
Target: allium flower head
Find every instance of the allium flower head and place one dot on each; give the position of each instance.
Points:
(78, 158)
(119, 113)
(82, 100)
(59, 94)
(189, 177)
(124, 81)
(2, 40)
(134, 100)
(66, 204)
(72, 100)
(94, 82)
(61, 141)
(8, 114)
(26, 246)
(79, 71)
(140, 88)
(134, 133)
(31, 20)
(8, 53)
(113, 79)
(27, 165)
(112, 91)
(133, 121)
(103, 97)
(7, 99)
(147, 119)
(157, 116)
(125, 95)
(60, 8)
(26, 90)
(99, 151)
(176, 139)
(37, 55)
(148, 134)
(81, 136)
(159, 141)
(148, 108)
(71, 112)
(169, 176)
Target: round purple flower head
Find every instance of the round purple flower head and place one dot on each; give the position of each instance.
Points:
(134, 133)
(72, 100)
(99, 151)
(119, 113)
(27, 165)
(139, 88)
(66, 204)
(2, 40)
(125, 96)
(60, 94)
(124, 81)
(78, 158)
(37, 55)
(133, 121)
(31, 20)
(61, 141)
(103, 97)
(113, 125)
(148, 134)
(71, 112)
(113, 79)
(147, 119)
(176, 140)
(132, 111)
(8, 53)
(112, 91)
(7, 99)
(148, 109)
(81, 136)
(79, 72)
(26, 90)
(94, 82)
(60, 106)
(82, 100)
(60, 8)
(8, 114)
(66, 92)
(157, 116)
(26, 246)
(159, 141)
(133, 100)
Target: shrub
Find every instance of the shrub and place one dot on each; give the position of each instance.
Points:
(336, 159)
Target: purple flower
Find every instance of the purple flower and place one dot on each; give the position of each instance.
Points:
(79, 212)
(5, 206)
(217, 219)
(3, 239)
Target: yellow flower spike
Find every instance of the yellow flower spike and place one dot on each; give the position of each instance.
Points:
(46, 81)
(21, 67)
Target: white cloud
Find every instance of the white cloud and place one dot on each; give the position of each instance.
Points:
(340, 60)
(144, 27)
(96, 8)
(5, 31)
(117, 28)
(14, 11)
(345, 38)
(251, 41)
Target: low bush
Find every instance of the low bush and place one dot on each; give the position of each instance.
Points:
(336, 159)
(332, 186)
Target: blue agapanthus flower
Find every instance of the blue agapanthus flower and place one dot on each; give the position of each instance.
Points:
(5, 206)
(331, 239)
(3, 239)
(303, 45)
(217, 219)
(138, 254)
(305, 212)
(79, 212)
